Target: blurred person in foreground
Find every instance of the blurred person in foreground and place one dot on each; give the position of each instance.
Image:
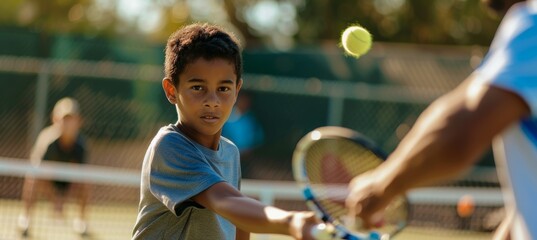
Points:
(60, 142)
(191, 174)
(497, 103)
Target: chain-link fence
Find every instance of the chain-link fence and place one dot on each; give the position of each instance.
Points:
(123, 105)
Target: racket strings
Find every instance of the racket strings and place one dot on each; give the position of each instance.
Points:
(331, 164)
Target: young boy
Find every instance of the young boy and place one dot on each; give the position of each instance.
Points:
(59, 142)
(190, 174)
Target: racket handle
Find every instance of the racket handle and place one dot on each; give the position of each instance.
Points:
(322, 232)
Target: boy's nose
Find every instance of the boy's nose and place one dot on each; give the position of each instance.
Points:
(212, 100)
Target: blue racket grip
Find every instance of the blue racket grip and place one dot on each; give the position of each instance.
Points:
(373, 235)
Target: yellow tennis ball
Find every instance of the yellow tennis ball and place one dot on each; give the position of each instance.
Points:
(356, 40)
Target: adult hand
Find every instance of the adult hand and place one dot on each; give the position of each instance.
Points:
(367, 199)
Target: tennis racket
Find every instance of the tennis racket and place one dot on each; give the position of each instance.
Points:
(324, 162)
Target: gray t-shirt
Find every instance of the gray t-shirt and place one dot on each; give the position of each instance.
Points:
(175, 169)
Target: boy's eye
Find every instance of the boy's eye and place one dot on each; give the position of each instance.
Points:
(197, 88)
(224, 89)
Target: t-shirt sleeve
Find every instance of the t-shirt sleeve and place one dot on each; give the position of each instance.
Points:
(511, 63)
(178, 172)
(42, 144)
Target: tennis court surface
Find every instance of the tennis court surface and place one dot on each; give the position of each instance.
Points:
(114, 198)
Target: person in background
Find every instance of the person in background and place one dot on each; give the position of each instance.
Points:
(60, 142)
(243, 129)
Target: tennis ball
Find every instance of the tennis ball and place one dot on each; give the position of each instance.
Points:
(356, 40)
(322, 232)
(465, 206)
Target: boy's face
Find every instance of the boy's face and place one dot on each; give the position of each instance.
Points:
(204, 96)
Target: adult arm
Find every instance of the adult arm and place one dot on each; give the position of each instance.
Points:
(447, 139)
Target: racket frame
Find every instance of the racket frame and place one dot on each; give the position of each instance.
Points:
(339, 231)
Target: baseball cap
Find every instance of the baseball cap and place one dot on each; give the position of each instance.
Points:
(65, 106)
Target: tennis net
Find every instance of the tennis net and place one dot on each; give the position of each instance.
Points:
(114, 196)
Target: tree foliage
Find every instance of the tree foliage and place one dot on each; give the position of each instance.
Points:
(414, 21)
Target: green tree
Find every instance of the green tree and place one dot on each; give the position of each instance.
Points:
(280, 23)
(416, 21)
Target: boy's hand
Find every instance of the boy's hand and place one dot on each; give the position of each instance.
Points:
(302, 224)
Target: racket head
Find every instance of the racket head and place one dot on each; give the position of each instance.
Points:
(324, 162)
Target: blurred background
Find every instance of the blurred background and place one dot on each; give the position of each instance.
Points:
(108, 54)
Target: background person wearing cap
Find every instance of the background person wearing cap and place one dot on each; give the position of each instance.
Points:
(61, 142)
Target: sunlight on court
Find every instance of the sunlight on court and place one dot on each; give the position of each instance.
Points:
(113, 207)
(105, 221)
(116, 221)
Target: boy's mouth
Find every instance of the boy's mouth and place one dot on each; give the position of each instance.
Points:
(210, 118)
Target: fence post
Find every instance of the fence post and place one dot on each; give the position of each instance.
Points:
(40, 101)
(335, 107)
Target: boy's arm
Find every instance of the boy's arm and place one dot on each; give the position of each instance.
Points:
(251, 215)
(242, 235)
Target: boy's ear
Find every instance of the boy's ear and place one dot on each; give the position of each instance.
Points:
(169, 90)
(239, 85)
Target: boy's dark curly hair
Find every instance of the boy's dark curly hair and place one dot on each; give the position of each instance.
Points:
(200, 40)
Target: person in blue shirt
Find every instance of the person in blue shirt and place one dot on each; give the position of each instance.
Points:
(242, 127)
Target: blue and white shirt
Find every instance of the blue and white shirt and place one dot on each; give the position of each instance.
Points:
(511, 64)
